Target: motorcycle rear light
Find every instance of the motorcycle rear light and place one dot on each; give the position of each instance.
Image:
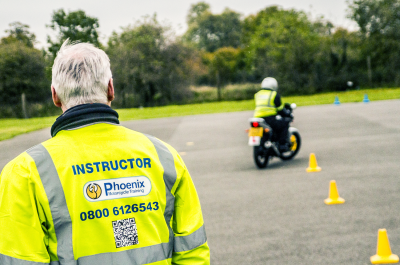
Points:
(255, 124)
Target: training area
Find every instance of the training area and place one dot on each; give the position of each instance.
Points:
(200, 132)
(278, 215)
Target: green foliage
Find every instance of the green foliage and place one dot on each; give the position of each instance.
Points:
(75, 26)
(305, 57)
(223, 66)
(196, 12)
(286, 45)
(234, 92)
(19, 33)
(377, 17)
(345, 61)
(379, 22)
(210, 32)
(150, 65)
(21, 71)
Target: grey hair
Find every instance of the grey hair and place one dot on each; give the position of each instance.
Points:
(80, 74)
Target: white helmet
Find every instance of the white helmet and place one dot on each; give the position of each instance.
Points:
(269, 83)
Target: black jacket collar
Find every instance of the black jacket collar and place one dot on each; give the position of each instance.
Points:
(84, 114)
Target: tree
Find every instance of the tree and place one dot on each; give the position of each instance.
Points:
(149, 65)
(379, 22)
(196, 11)
(75, 26)
(285, 44)
(19, 33)
(211, 32)
(223, 66)
(21, 71)
(344, 62)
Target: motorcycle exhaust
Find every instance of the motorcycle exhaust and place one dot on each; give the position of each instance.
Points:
(269, 144)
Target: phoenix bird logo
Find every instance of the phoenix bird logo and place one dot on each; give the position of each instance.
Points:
(93, 190)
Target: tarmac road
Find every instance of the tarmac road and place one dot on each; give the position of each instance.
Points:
(277, 215)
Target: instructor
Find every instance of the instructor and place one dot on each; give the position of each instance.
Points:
(97, 192)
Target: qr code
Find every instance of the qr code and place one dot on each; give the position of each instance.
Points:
(125, 232)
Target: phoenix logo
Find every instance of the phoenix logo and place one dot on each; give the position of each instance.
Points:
(93, 191)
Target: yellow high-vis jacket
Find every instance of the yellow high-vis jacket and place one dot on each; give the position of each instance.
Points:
(98, 193)
(268, 103)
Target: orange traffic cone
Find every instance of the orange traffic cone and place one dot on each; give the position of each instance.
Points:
(313, 166)
(384, 253)
(333, 195)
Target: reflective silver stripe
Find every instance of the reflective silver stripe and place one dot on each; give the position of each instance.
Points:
(268, 101)
(58, 206)
(136, 256)
(143, 255)
(7, 260)
(192, 241)
(167, 161)
(270, 98)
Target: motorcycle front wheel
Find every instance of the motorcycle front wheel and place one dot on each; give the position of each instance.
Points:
(260, 157)
(295, 143)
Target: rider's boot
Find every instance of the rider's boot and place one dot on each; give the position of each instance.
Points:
(284, 147)
(284, 143)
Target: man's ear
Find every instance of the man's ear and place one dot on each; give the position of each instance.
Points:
(110, 91)
(56, 100)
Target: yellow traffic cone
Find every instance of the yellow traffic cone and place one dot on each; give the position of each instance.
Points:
(333, 195)
(383, 252)
(313, 166)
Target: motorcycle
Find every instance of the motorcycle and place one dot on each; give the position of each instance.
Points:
(265, 141)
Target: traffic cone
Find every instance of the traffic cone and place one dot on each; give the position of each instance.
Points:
(333, 195)
(366, 99)
(313, 166)
(383, 252)
(336, 102)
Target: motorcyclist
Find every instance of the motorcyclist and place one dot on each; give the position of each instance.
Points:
(269, 107)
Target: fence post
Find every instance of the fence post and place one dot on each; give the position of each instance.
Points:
(23, 99)
(369, 70)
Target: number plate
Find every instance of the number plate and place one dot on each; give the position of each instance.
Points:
(256, 131)
(254, 140)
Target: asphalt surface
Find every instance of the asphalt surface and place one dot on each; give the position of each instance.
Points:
(277, 215)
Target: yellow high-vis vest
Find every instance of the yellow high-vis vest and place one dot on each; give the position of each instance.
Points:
(100, 194)
(265, 105)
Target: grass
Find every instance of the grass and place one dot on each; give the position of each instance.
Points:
(12, 127)
(345, 97)
(184, 110)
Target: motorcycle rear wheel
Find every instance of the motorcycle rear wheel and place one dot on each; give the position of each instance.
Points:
(261, 157)
(295, 143)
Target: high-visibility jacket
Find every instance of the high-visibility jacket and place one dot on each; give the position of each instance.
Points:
(266, 104)
(100, 194)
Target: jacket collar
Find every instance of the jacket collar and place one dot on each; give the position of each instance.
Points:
(83, 115)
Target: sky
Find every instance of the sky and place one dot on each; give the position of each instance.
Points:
(115, 14)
